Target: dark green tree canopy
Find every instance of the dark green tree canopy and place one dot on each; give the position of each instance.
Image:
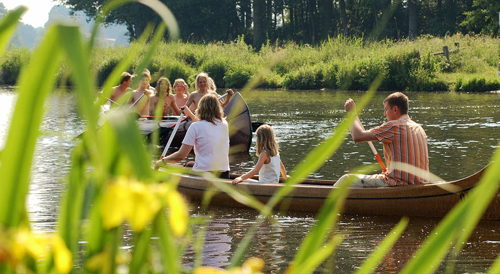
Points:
(307, 21)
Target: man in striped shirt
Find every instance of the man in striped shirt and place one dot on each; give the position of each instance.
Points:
(405, 146)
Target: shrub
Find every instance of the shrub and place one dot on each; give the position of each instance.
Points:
(480, 84)
(306, 77)
(238, 75)
(216, 68)
(14, 59)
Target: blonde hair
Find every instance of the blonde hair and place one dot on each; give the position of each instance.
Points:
(157, 88)
(209, 109)
(201, 75)
(211, 84)
(266, 141)
(181, 81)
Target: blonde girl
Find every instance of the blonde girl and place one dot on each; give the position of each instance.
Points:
(269, 164)
(163, 93)
(181, 89)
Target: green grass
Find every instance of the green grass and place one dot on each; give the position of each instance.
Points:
(339, 63)
(111, 180)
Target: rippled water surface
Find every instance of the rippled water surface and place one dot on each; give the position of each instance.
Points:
(463, 131)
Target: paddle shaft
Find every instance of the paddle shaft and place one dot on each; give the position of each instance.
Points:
(136, 101)
(172, 135)
(374, 150)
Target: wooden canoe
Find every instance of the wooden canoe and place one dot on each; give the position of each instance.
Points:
(238, 117)
(419, 200)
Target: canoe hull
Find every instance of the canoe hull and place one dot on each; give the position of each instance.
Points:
(238, 117)
(421, 200)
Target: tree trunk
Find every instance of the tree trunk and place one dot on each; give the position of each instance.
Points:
(311, 7)
(259, 19)
(412, 20)
(343, 17)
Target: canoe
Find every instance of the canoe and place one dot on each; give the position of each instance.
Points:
(418, 200)
(237, 115)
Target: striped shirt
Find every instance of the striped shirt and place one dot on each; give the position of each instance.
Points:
(404, 142)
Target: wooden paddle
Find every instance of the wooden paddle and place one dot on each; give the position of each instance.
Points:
(374, 150)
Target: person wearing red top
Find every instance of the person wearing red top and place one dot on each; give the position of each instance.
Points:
(405, 146)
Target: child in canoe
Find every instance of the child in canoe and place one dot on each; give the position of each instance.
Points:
(269, 164)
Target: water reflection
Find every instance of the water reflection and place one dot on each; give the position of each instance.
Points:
(462, 130)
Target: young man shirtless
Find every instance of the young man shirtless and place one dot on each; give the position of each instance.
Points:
(122, 88)
(202, 89)
(141, 96)
(405, 144)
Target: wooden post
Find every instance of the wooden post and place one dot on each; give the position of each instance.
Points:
(446, 53)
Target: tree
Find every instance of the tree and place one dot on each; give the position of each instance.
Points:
(259, 20)
(483, 18)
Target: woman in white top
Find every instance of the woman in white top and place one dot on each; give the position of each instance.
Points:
(209, 135)
(269, 164)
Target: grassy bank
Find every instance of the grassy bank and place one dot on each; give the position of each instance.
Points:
(349, 64)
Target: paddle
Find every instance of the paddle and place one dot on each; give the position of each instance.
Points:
(374, 150)
(172, 134)
(79, 135)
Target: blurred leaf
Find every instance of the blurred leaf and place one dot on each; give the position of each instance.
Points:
(35, 83)
(8, 26)
(383, 248)
(458, 223)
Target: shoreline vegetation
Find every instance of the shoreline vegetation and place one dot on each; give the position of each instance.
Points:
(339, 63)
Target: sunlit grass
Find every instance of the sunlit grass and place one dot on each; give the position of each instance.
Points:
(111, 181)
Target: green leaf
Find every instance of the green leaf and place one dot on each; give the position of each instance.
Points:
(8, 27)
(35, 83)
(383, 248)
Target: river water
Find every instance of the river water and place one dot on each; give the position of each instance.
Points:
(463, 131)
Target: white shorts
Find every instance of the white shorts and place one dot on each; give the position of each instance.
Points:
(361, 180)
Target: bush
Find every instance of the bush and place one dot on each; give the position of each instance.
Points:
(11, 65)
(216, 68)
(173, 69)
(105, 69)
(480, 84)
(238, 75)
(304, 78)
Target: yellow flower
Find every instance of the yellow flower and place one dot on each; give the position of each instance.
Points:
(99, 262)
(179, 216)
(115, 206)
(62, 255)
(255, 264)
(251, 266)
(145, 206)
(208, 270)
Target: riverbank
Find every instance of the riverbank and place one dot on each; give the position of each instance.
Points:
(340, 63)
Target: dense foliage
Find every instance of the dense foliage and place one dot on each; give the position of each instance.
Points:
(340, 63)
(308, 21)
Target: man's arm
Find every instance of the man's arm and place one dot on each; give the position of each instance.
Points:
(360, 135)
(357, 132)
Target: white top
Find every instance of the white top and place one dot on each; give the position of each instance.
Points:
(270, 173)
(211, 145)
